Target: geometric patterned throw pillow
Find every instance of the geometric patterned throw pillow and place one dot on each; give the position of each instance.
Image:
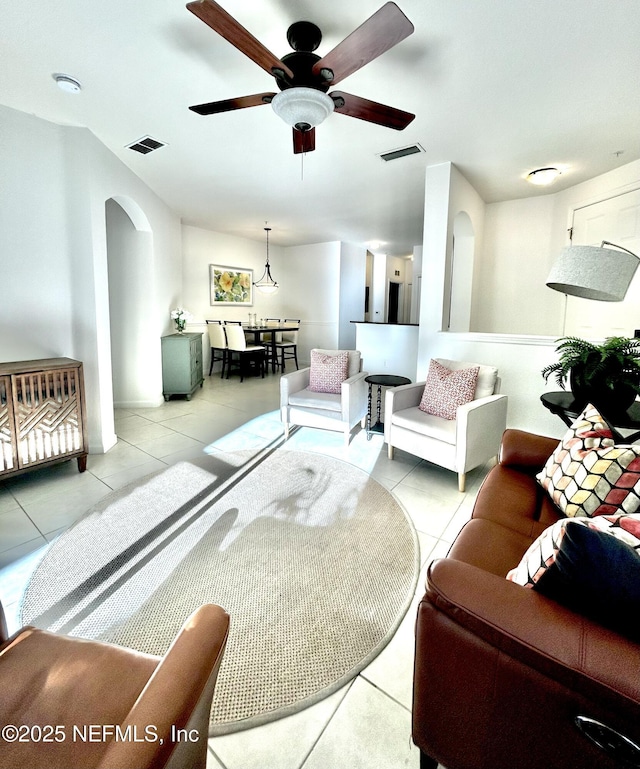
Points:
(445, 389)
(543, 552)
(591, 566)
(587, 475)
(328, 372)
(540, 555)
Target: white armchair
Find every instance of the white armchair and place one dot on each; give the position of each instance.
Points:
(459, 444)
(328, 411)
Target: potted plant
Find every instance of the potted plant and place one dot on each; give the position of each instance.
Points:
(607, 374)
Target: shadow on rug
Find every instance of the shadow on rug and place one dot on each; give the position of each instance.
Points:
(315, 561)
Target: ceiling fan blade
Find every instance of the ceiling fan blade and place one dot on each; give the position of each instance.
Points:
(226, 105)
(232, 31)
(387, 27)
(371, 111)
(304, 141)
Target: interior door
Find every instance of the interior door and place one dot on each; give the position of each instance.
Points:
(616, 220)
(394, 302)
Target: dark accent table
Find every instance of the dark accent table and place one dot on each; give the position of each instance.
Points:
(568, 409)
(273, 328)
(381, 380)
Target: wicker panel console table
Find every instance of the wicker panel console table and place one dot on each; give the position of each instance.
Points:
(42, 414)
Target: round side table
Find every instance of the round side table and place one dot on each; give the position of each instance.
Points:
(563, 405)
(381, 380)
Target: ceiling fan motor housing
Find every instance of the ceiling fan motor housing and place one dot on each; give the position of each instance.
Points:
(301, 64)
(304, 36)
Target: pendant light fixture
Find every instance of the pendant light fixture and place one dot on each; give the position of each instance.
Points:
(266, 284)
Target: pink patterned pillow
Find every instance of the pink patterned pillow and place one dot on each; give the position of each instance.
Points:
(328, 372)
(445, 389)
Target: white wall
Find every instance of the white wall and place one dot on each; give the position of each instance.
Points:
(519, 358)
(133, 340)
(314, 296)
(522, 239)
(201, 248)
(462, 269)
(519, 364)
(518, 251)
(353, 267)
(35, 268)
(416, 278)
(388, 348)
(309, 279)
(53, 256)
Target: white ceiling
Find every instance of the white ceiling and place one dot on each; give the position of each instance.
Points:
(499, 87)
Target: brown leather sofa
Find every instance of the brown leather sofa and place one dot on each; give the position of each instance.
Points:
(506, 678)
(69, 703)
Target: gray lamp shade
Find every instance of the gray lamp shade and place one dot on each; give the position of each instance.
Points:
(593, 272)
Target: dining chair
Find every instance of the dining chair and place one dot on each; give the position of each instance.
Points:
(268, 339)
(218, 342)
(246, 354)
(287, 345)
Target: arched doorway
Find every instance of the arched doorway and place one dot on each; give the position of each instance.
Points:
(461, 283)
(130, 279)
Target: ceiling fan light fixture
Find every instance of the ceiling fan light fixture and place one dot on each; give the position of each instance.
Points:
(303, 108)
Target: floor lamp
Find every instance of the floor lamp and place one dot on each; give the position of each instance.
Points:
(594, 272)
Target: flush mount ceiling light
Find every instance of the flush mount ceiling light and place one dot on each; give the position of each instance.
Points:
(301, 107)
(543, 176)
(594, 272)
(266, 284)
(67, 83)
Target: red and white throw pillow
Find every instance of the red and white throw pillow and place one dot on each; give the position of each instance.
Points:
(328, 372)
(445, 389)
(588, 475)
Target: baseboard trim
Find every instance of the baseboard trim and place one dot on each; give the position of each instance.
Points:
(108, 442)
(138, 404)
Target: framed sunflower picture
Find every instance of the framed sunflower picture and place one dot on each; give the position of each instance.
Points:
(230, 285)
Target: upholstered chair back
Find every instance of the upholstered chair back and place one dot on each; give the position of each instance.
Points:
(235, 337)
(488, 380)
(217, 338)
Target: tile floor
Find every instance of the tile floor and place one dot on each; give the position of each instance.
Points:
(368, 722)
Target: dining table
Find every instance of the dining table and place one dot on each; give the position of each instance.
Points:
(259, 333)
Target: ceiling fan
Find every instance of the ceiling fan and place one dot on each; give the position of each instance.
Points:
(304, 78)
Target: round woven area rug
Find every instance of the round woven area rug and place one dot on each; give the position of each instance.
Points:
(314, 560)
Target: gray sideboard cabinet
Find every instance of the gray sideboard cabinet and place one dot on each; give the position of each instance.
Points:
(181, 364)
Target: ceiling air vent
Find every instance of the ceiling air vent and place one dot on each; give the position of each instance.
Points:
(145, 145)
(412, 149)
